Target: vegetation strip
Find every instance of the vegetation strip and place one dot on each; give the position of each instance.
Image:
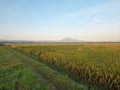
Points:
(33, 69)
(15, 76)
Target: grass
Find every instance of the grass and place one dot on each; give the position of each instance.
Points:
(15, 76)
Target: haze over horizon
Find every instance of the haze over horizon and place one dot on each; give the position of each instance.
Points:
(89, 20)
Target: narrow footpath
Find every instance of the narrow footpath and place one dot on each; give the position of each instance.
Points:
(24, 59)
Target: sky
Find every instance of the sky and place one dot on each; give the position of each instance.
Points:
(88, 20)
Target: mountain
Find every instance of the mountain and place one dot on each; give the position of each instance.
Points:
(69, 40)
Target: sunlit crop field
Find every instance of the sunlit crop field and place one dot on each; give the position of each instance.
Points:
(94, 64)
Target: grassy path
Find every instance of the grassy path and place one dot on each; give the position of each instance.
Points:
(23, 58)
(33, 69)
(53, 79)
(14, 75)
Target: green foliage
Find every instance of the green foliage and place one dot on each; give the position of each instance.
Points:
(15, 76)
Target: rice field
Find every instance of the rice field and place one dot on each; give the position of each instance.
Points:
(92, 64)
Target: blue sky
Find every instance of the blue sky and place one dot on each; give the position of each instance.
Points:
(90, 20)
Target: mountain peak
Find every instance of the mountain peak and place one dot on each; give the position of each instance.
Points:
(68, 39)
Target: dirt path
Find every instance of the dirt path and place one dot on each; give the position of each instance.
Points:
(23, 58)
